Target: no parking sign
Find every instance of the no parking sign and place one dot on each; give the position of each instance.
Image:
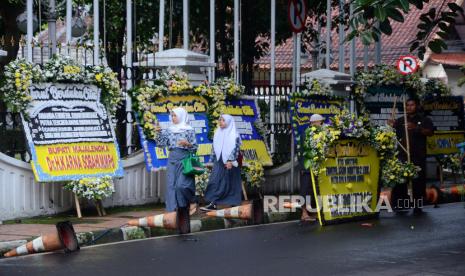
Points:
(407, 65)
(297, 11)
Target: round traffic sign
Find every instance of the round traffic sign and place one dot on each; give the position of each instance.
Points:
(407, 65)
(297, 11)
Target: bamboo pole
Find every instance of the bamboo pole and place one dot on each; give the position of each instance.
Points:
(393, 116)
(97, 206)
(244, 192)
(393, 111)
(407, 143)
(102, 208)
(78, 206)
(441, 176)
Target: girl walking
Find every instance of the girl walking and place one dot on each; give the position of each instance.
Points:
(180, 140)
(224, 185)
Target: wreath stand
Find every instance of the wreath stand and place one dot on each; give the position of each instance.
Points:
(98, 205)
(244, 192)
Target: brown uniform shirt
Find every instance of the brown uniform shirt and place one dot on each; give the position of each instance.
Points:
(417, 139)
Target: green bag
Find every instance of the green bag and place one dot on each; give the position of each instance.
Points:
(192, 165)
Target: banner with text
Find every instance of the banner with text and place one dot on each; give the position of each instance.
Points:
(380, 101)
(245, 112)
(157, 158)
(69, 133)
(304, 107)
(446, 113)
(347, 186)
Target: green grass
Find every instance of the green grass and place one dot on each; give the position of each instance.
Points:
(71, 215)
(136, 208)
(53, 220)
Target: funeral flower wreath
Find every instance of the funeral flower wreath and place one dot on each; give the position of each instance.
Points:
(385, 75)
(319, 139)
(309, 88)
(92, 188)
(20, 74)
(174, 82)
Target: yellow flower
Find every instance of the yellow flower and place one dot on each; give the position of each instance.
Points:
(99, 77)
(70, 69)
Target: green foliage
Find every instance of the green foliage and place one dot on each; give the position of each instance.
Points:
(434, 21)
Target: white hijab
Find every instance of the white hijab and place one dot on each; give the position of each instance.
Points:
(183, 121)
(224, 140)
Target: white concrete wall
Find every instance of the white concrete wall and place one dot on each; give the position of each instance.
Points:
(453, 76)
(278, 180)
(21, 196)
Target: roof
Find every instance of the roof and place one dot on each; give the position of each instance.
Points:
(450, 59)
(393, 46)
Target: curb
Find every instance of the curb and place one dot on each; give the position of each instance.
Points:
(135, 233)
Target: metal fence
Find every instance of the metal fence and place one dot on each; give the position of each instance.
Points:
(278, 127)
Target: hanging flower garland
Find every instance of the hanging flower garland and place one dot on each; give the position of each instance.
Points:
(169, 82)
(313, 87)
(309, 88)
(216, 102)
(436, 88)
(20, 74)
(92, 188)
(385, 75)
(319, 139)
(175, 82)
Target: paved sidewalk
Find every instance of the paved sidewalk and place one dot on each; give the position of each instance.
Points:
(10, 232)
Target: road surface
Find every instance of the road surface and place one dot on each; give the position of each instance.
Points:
(431, 244)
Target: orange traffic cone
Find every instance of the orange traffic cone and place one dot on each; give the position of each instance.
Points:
(63, 238)
(432, 195)
(173, 220)
(291, 205)
(167, 220)
(386, 194)
(252, 211)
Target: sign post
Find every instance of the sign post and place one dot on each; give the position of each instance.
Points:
(297, 12)
(407, 65)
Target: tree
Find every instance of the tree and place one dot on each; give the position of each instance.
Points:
(9, 31)
(371, 18)
(369, 13)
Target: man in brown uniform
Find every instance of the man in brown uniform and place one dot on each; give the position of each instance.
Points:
(419, 127)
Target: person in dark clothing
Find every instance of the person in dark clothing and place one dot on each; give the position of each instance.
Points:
(225, 184)
(419, 127)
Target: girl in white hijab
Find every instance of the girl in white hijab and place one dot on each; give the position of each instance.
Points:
(180, 139)
(224, 186)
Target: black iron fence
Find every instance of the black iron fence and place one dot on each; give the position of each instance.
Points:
(278, 126)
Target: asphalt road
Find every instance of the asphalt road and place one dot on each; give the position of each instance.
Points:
(431, 244)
